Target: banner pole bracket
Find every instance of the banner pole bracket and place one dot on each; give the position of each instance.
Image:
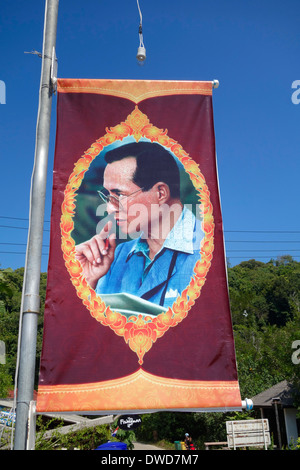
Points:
(54, 67)
(30, 445)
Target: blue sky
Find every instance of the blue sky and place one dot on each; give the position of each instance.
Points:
(252, 47)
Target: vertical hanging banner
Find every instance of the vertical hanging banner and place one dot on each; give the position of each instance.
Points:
(137, 314)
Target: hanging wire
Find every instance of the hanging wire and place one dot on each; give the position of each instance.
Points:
(140, 26)
(141, 17)
(141, 54)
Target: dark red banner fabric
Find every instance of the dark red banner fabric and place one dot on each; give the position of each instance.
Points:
(181, 351)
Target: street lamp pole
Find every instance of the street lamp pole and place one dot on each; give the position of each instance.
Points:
(30, 307)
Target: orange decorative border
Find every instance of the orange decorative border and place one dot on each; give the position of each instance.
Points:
(139, 391)
(140, 334)
(134, 90)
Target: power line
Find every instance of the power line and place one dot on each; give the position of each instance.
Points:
(256, 251)
(20, 244)
(19, 253)
(227, 241)
(231, 251)
(261, 231)
(227, 251)
(225, 231)
(256, 257)
(242, 251)
(17, 218)
(262, 241)
(231, 257)
(22, 228)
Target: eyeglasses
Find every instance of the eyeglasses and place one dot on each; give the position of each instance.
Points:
(115, 200)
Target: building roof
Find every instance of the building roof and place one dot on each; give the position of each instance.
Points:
(282, 391)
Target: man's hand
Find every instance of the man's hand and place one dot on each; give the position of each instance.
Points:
(97, 254)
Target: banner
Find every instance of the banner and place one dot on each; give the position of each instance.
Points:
(137, 314)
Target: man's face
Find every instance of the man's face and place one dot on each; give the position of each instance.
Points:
(134, 213)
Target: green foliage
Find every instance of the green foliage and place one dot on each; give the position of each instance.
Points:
(128, 437)
(265, 293)
(164, 425)
(172, 426)
(84, 439)
(294, 445)
(11, 284)
(265, 305)
(6, 382)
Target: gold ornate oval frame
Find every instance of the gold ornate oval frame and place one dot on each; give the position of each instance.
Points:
(139, 333)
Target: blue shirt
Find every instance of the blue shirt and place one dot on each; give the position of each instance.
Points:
(162, 279)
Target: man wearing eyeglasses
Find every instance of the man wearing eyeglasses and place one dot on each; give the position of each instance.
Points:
(142, 191)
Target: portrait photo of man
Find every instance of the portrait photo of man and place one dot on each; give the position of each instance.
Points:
(159, 239)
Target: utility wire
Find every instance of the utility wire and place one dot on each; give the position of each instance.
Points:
(225, 231)
(261, 231)
(262, 241)
(17, 218)
(21, 228)
(242, 251)
(228, 251)
(228, 231)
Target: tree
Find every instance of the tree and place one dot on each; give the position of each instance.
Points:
(11, 284)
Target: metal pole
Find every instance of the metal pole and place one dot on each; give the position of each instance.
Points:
(31, 284)
(275, 403)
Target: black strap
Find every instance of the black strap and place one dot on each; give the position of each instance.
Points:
(155, 289)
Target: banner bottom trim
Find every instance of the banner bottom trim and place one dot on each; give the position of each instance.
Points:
(139, 391)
